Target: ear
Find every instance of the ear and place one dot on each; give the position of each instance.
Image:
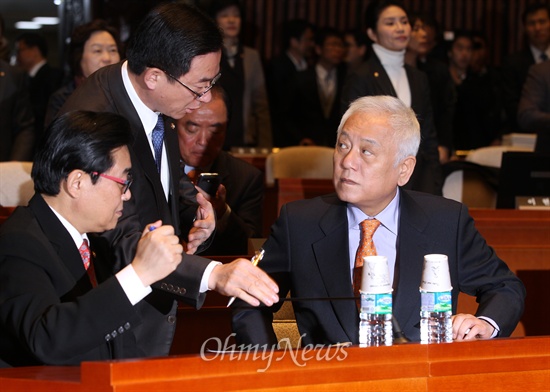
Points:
(406, 168)
(362, 50)
(372, 35)
(152, 77)
(74, 183)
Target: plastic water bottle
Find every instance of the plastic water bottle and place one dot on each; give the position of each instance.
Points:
(435, 317)
(375, 325)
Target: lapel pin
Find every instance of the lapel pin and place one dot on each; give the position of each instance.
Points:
(376, 74)
(172, 126)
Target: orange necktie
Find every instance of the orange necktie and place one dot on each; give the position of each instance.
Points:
(366, 248)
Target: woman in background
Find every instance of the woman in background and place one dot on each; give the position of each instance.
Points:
(243, 80)
(385, 73)
(93, 46)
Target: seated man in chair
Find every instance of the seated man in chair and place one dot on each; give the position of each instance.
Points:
(312, 248)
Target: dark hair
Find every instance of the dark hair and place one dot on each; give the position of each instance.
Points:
(219, 92)
(219, 5)
(34, 40)
(325, 33)
(534, 7)
(78, 140)
(81, 34)
(375, 8)
(359, 37)
(170, 37)
(295, 28)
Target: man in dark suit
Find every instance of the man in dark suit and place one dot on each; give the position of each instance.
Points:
(16, 116)
(536, 22)
(311, 250)
(59, 306)
(172, 60)
(312, 106)
(534, 105)
(238, 199)
(32, 54)
(299, 43)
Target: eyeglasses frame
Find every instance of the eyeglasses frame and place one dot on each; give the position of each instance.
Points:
(126, 183)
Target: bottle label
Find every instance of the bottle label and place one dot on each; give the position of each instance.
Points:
(376, 303)
(436, 302)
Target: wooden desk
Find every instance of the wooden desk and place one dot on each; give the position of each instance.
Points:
(494, 365)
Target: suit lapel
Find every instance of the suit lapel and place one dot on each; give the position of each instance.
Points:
(413, 244)
(62, 242)
(332, 256)
(381, 82)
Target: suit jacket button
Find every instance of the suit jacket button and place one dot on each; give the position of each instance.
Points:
(114, 334)
(121, 329)
(127, 326)
(171, 319)
(183, 290)
(107, 337)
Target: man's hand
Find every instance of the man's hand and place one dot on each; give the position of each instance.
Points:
(204, 225)
(158, 253)
(218, 201)
(243, 280)
(469, 327)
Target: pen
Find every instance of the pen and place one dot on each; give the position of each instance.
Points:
(255, 260)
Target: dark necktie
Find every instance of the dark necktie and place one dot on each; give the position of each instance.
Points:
(158, 138)
(366, 248)
(543, 56)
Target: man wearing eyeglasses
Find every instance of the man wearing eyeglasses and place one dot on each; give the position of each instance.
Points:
(172, 62)
(59, 301)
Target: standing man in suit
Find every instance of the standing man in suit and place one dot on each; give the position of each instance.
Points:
(238, 200)
(536, 22)
(534, 105)
(299, 44)
(59, 306)
(312, 102)
(172, 63)
(313, 244)
(32, 55)
(16, 115)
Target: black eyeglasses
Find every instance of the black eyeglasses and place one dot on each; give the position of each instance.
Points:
(127, 183)
(197, 95)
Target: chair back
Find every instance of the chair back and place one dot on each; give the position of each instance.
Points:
(299, 162)
(16, 185)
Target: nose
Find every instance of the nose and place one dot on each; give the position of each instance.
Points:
(206, 97)
(202, 138)
(348, 160)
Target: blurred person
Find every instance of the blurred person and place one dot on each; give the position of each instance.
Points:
(76, 309)
(93, 45)
(534, 106)
(32, 55)
(357, 44)
(17, 136)
(243, 80)
(5, 51)
(312, 107)
(478, 107)
(442, 92)
(238, 199)
(299, 46)
(386, 73)
(536, 24)
(311, 251)
(172, 63)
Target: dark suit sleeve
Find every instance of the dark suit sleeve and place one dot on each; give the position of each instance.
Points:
(41, 310)
(534, 105)
(500, 294)
(253, 325)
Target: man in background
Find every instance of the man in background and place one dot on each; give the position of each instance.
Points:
(238, 199)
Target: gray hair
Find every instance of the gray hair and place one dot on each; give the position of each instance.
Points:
(402, 120)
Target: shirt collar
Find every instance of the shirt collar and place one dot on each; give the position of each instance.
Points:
(536, 53)
(388, 217)
(75, 235)
(147, 117)
(300, 64)
(34, 70)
